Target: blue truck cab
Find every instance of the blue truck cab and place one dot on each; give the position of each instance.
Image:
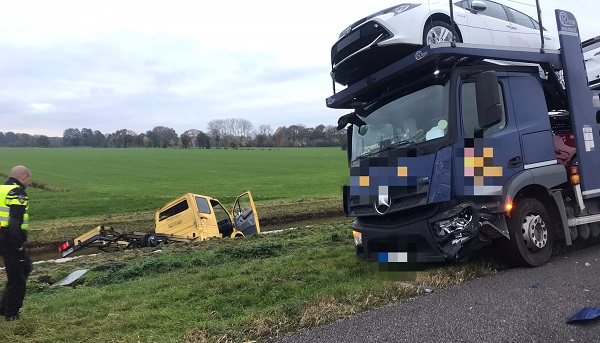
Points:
(452, 148)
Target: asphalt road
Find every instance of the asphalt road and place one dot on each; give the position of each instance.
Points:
(516, 305)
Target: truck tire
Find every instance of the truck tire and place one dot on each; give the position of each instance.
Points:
(531, 234)
(438, 32)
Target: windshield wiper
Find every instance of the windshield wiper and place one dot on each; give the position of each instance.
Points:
(410, 142)
(395, 145)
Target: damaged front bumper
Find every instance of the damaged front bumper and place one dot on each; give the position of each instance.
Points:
(432, 233)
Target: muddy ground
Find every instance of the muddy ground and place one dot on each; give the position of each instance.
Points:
(275, 218)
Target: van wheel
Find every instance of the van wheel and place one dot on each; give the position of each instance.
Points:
(144, 241)
(531, 234)
(438, 32)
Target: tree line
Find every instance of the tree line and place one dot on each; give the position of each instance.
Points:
(220, 133)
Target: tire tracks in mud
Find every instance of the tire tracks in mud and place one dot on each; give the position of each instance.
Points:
(297, 219)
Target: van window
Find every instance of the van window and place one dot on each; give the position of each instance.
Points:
(220, 212)
(173, 210)
(202, 205)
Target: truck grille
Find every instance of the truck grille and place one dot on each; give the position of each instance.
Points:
(397, 204)
(401, 218)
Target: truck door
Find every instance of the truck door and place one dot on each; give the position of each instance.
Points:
(486, 158)
(244, 215)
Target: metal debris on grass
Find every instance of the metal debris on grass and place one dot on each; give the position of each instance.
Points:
(74, 276)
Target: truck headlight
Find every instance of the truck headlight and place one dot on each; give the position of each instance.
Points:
(460, 219)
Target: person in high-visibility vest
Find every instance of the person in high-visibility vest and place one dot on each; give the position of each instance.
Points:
(14, 221)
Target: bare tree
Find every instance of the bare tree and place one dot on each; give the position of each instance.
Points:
(245, 127)
(216, 130)
(265, 130)
(191, 134)
(225, 131)
(263, 135)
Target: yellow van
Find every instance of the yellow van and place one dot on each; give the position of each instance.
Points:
(190, 217)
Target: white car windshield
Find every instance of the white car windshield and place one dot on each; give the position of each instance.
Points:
(404, 119)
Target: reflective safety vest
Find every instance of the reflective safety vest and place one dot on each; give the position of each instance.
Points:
(6, 201)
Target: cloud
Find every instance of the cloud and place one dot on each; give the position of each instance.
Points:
(41, 107)
(109, 65)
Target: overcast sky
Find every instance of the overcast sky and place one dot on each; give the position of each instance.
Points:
(129, 64)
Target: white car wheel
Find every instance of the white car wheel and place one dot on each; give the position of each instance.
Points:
(438, 32)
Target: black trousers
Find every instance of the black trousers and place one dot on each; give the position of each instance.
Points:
(17, 269)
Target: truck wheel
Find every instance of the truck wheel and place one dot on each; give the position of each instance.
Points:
(531, 234)
(438, 32)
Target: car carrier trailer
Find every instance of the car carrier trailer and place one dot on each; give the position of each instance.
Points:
(450, 151)
(190, 217)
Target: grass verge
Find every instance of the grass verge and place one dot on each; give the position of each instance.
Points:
(229, 290)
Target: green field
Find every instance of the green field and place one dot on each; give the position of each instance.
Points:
(91, 182)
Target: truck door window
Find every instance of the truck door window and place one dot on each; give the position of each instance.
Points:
(173, 210)
(223, 220)
(468, 103)
(202, 205)
(242, 208)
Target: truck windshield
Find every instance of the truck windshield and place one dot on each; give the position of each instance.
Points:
(402, 119)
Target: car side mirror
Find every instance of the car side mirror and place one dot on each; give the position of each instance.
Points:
(489, 109)
(478, 6)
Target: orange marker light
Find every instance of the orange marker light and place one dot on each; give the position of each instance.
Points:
(574, 175)
(508, 206)
(575, 179)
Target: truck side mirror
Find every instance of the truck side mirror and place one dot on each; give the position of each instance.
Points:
(489, 109)
(349, 133)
